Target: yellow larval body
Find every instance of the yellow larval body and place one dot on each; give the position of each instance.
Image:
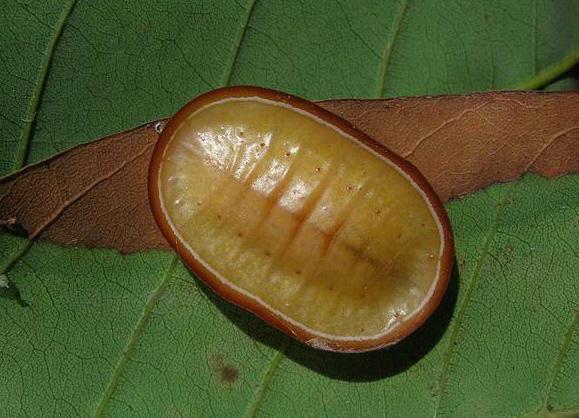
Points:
(294, 212)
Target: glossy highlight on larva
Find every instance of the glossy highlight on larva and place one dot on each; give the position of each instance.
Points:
(286, 210)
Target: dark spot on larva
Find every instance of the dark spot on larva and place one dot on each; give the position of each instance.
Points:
(267, 253)
(227, 373)
(362, 296)
(298, 272)
(318, 169)
(349, 188)
(287, 154)
(218, 216)
(422, 224)
(331, 288)
(239, 234)
(399, 236)
(377, 211)
(262, 144)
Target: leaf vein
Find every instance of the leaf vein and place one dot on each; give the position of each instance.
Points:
(267, 377)
(83, 192)
(22, 155)
(565, 344)
(550, 142)
(450, 349)
(237, 42)
(549, 74)
(134, 339)
(387, 54)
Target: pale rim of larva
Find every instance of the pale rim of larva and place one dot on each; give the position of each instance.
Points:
(241, 297)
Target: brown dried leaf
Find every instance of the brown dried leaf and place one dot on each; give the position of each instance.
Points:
(95, 194)
(464, 143)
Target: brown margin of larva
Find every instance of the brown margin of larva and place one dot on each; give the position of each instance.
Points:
(252, 305)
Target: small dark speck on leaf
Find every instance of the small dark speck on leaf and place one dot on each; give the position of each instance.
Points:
(228, 374)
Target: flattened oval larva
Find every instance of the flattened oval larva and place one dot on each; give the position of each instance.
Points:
(288, 211)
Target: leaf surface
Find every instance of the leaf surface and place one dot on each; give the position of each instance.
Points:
(105, 334)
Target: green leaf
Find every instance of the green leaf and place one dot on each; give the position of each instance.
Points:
(105, 334)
